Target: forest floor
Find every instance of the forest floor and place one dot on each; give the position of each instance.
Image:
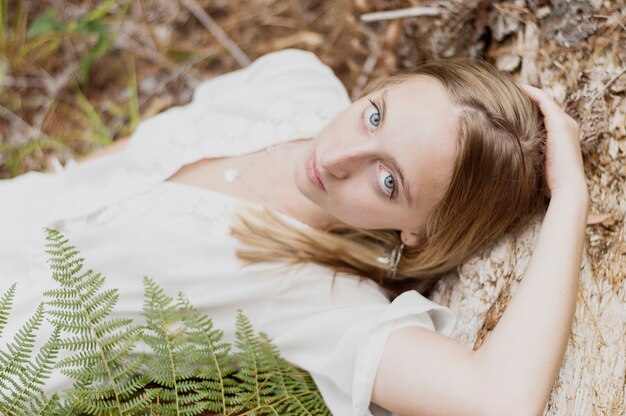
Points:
(77, 75)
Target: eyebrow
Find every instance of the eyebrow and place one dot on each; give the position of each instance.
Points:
(403, 180)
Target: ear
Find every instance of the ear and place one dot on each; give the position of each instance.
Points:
(412, 239)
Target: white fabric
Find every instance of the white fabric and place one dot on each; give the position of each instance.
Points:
(128, 222)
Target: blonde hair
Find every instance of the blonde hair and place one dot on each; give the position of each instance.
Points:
(497, 183)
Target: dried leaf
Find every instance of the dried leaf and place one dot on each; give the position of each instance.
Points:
(597, 218)
(307, 38)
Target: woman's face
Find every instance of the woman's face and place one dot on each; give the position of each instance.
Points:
(386, 160)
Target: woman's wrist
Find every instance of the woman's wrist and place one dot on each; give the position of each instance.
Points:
(572, 199)
(574, 193)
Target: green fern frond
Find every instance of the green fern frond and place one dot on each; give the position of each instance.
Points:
(20, 378)
(296, 391)
(173, 366)
(255, 387)
(280, 388)
(190, 370)
(102, 365)
(5, 306)
(35, 373)
(14, 361)
(218, 365)
(46, 406)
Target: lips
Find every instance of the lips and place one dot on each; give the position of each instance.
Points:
(313, 174)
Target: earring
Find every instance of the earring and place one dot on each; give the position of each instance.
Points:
(395, 256)
(392, 259)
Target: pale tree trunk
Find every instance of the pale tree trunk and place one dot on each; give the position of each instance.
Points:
(579, 58)
(591, 380)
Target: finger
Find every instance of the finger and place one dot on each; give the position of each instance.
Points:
(554, 116)
(547, 105)
(540, 96)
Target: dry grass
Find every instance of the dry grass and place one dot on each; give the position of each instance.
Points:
(55, 102)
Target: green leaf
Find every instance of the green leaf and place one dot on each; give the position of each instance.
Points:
(5, 305)
(103, 366)
(98, 131)
(101, 11)
(45, 23)
(99, 49)
(133, 101)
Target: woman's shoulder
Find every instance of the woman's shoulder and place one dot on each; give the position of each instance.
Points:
(284, 71)
(280, 96)
(290, 56)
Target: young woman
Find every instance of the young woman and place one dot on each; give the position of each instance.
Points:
(318, 217)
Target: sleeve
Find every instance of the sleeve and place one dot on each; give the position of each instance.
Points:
(354, 362)
(281, 94)
(339, 336)
(283, 69)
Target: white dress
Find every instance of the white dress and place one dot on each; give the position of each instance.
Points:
(128, 222)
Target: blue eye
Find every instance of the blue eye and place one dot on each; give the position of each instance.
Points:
(386, 181)
(373, 117)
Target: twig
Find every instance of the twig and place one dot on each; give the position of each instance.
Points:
(145, 35)
(605, 86)
(145, 51)
(53, 88)
(216, 30)
(30, 131)
(368, 67)
(177, 73)
(150, 52)
(21, 82)
(400, 13)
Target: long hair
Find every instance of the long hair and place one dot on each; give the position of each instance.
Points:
(497, 184)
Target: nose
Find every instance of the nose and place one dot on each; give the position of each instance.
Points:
(341, 161)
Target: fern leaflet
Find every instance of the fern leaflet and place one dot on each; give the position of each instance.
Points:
(103, 368)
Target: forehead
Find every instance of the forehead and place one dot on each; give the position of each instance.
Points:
(421, 122)
(425, 101)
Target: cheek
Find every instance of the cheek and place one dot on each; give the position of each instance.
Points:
(359, 210)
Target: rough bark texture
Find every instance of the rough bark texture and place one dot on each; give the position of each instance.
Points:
(591, 379)
(580, 62)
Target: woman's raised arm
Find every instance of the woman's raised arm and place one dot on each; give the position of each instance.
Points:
(512, 373)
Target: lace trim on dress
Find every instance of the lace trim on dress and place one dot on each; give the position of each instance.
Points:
(214, 209)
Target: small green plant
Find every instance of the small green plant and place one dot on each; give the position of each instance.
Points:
(93, 24)
(70, 112)
(105, 372)
(96, 131)
(20, 376)
(189, 369)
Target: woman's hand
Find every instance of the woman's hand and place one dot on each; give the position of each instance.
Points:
(565, 174)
